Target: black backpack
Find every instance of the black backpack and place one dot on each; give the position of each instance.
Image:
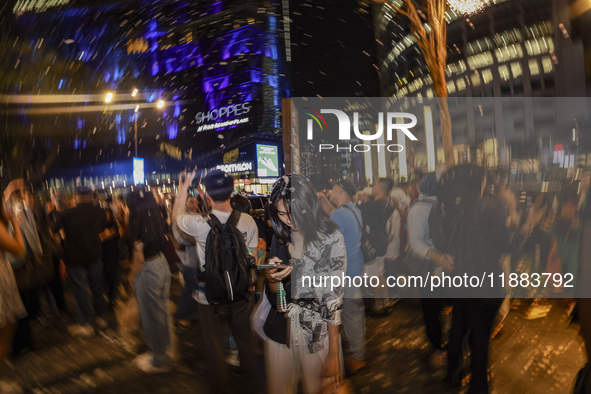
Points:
(227, 261)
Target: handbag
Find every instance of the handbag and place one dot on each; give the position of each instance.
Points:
(260, 315)
(368, 251)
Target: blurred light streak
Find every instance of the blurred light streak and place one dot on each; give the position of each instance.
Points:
(89, 108)
(579, 7)
(429, 138)
(63, 98)
(402, 154)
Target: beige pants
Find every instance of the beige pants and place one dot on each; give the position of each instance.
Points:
(287, 366)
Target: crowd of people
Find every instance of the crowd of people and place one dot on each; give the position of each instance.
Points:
(242, 273)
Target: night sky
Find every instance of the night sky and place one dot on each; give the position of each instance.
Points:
(333, 50)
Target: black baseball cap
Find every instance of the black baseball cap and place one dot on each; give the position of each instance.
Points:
(347, 186)
(219, 185)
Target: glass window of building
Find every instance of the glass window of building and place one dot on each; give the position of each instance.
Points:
(547, 64)
(475, 79)
(455, 68)
(508, 37)
(430, 92)
(480, 60)
(461, 84)
(504, 73)
(534, 66)
(513, 51)
(541, 29)
(487, 75)
(479, 46)
(451, 88)
(538, 46)
(516, 69)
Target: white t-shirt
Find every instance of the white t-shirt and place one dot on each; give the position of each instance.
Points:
(196, 226)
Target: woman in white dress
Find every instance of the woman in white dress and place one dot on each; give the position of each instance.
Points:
(11, 306)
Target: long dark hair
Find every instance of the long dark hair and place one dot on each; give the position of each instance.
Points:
(303, 208)
(146, 223)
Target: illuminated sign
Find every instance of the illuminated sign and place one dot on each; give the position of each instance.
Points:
(235, 168)
(223, 117)
(138, 171)
(267, 161)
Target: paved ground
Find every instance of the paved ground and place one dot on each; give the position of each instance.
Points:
(540, 356)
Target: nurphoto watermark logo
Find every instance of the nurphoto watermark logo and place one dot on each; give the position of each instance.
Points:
(387, 123)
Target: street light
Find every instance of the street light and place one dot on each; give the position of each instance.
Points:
(134, 93)
(109, 97)
(160, 104)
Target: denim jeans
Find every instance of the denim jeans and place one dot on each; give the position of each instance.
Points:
(152, 288)
(82, 279)
(187, 307)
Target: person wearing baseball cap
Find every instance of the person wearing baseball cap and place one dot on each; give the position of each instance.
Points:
(347, 216)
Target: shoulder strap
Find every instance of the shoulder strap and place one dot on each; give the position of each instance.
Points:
(234, 218)
(354, 214)
(213, 222)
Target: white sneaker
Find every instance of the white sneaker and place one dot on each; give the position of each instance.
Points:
(537, 311)
(10, 387)
(76, 330)
(233, 358)
(143, 358)
(144, 363)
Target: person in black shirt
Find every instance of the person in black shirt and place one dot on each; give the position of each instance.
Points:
(375, 218)
(111, 269)
(83, 250)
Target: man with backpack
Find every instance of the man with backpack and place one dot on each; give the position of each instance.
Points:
(223, 238)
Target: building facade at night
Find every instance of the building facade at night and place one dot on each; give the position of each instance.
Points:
(192, 78)
(512, 49)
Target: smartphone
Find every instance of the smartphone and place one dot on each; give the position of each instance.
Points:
(278, 266)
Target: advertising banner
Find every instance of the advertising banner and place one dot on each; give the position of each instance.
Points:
(267, 161)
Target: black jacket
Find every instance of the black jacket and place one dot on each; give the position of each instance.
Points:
(82, 226)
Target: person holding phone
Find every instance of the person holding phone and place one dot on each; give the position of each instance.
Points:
(301, 327)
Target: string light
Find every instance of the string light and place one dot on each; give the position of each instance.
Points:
(468, 7)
